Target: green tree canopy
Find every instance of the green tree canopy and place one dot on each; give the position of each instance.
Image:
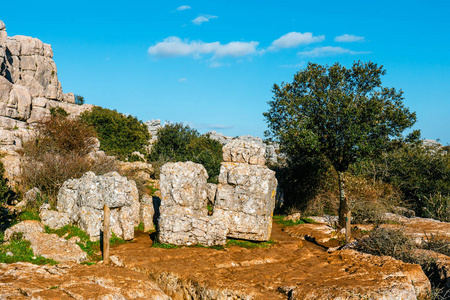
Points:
(339, 113)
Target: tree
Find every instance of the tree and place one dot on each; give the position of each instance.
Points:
(79, 100)
(339, 113)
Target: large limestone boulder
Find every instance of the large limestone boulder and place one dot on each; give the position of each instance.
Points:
(246, 191)
(184, 216)
(83, 200)
(184, 185)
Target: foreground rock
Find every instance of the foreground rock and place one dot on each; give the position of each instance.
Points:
(83, 200)
(69, 281)
(46, 245)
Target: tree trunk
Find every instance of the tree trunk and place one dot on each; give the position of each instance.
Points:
(344, 209)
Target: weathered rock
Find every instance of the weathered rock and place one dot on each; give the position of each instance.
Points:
(246, 199)
(139, 169)
(211, 190)
(73, 281)
(12, 164)
(147, 212)
(46, 245)
(183, 185)
(28, 227)
(192, 229)
(83, 200)
(248, 152)
(54, 219)
(184, 217)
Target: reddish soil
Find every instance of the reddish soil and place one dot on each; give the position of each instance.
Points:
(292, 268)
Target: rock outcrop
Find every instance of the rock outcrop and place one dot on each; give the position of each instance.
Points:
(184, 216)
(29, 89)
(242, 202)
(83, 200)
(272, 155)
(46, 245)
(73, 281)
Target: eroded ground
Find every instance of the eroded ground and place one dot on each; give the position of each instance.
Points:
(291, 269)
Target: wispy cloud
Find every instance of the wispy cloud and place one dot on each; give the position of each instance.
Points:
(183, 7)
(349, 38)
(295, 39)
(201, 19)
(329, 51)
(182, 79)
(294, 66)
(174, 46)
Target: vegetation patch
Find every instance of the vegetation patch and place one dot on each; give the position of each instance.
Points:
(177, 142)
(279, 219)
(119, 135)
(249, 244)
(19, 250)
(92, 249)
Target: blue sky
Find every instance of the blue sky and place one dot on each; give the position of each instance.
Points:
(212, 64)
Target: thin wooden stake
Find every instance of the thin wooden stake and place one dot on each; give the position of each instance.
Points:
(348, 227)
(106, 234)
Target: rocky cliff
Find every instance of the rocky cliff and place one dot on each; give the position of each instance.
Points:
(29, 87)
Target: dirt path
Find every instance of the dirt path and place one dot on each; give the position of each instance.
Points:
(293, 269)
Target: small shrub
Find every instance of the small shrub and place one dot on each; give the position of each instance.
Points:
(390, 242)
(6, 194)
(437, 206)
(79, 100)
(119, 135)
(436, 243)
(58, 152)
(58, 112)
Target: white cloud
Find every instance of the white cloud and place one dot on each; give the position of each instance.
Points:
(173, 46)
(294, 39)
(348, 38)
(329, 51)
(182, 79)
(295, 66)
(201, 19)
(183, 7)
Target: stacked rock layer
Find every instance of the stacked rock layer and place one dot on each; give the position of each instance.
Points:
(242, 202)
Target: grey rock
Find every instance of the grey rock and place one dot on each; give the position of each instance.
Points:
(54, 219)
(147, 212)
(83, 200)
(29, 227)
(248, 152)
(184, 218)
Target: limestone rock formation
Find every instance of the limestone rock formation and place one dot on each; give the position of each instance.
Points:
(239, 151)
(73, 281)
(184, 216)
(46, 245)
(272, 155)
(83, 200)
(146, 213)
(29, 87)
(243, 201)
(53, 219)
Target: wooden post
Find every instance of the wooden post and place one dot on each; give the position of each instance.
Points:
(106, 234)
(348, 227)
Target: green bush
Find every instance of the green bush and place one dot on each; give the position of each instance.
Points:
(5, 191)
(177, 142)
(422, 173)
(119, 135)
